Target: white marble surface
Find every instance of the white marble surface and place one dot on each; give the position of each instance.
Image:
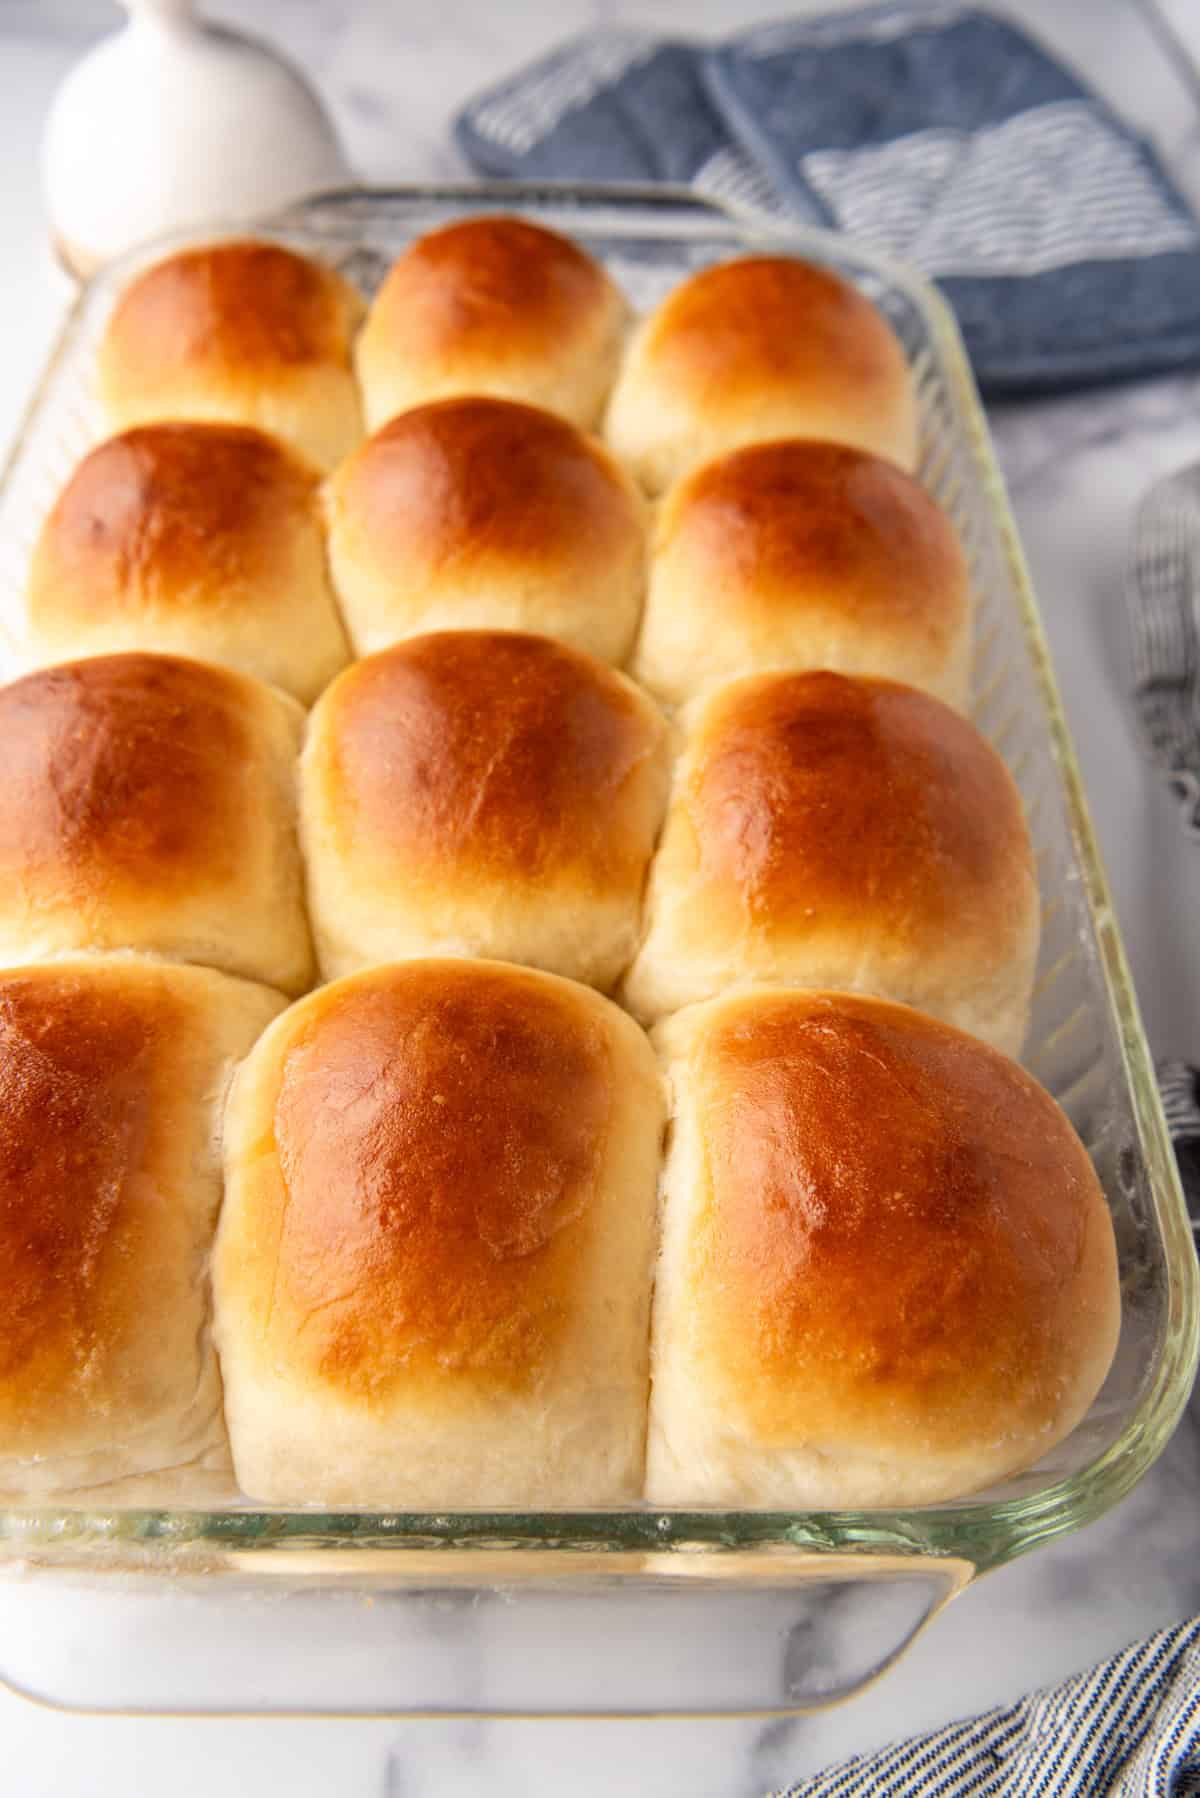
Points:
(1076, 467)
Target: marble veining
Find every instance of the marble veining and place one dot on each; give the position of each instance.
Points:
(1077, 467)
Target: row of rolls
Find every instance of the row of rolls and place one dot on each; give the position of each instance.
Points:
(521, 744)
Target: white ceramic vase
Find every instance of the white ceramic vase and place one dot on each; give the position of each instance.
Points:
(173, 123)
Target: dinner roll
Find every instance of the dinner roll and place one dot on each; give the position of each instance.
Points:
(148, 803)
(834, 832)
(760, 348)
(244, 331)
(479, 511)
(492, 305)
(481, 793)
(804, 555)
(432, 1274)
(204, 539)
(887, 1274)
(111, 1074)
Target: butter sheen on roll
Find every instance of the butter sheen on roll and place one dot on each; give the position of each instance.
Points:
(888, 1274)
(244, 331)
(481, 793)
(830, 831)
(493, 305)
(196, 539)
(432, 1275)
(800, 555)
(149, 803)
(755, 349)
(479, 512)
(112, 1074)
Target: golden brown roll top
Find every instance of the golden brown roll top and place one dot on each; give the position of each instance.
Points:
(888, 1274)
(493, 305)
(826, 831)
(481, 793)
(199, 539)
(111, 1073)
(244, 331)
(483, 512)
(756, 349)
(800, 554)
(148, 802)
(433, 1267)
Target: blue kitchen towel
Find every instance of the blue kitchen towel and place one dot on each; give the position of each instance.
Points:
(1128, 1729)
(935, 131)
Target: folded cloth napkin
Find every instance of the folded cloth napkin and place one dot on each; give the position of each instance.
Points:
(1179, 1084)
(1128, 1729)
(1163, 593)
(935, 131)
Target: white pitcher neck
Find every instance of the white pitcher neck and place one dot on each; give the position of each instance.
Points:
(162, 12)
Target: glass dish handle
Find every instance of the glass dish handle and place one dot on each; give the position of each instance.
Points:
(295, 1641)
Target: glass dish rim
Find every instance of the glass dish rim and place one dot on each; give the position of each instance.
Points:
(984, 1533)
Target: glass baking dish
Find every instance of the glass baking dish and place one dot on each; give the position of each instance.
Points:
(240, 1609)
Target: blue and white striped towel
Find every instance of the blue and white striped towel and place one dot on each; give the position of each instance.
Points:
(1128, 1729)
(933, 130)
